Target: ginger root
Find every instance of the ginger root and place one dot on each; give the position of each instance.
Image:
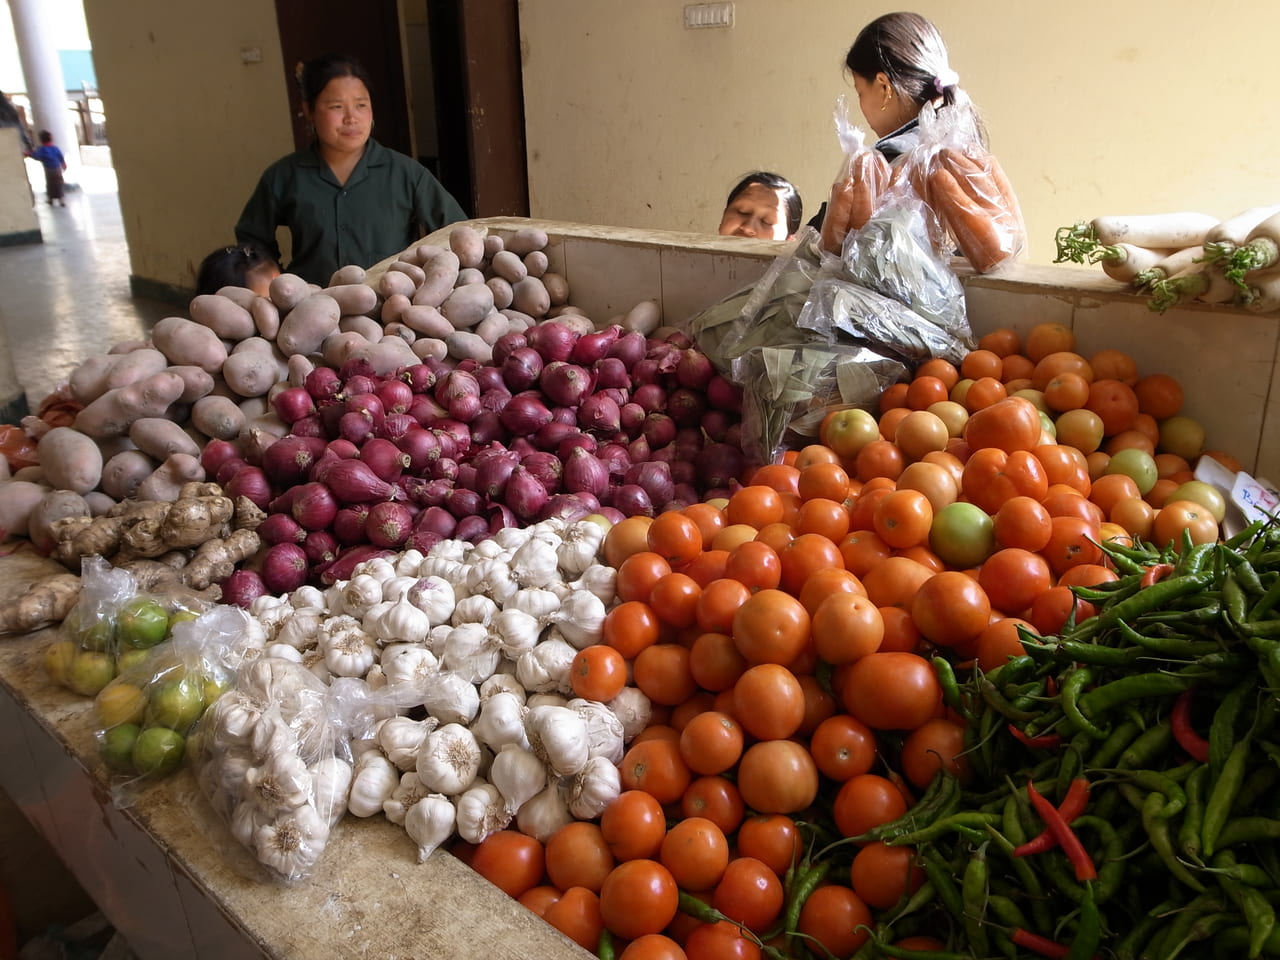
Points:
(217, 559)
(45, 603)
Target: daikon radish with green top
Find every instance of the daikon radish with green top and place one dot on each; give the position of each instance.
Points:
(1260, 250)
(1234, 231)
(1170, 266)
(1200, 281)
(1156, 230)
(1124, 261)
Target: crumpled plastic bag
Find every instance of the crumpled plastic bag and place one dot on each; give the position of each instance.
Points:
(855, 193)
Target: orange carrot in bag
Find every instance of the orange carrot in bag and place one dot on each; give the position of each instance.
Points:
(981, 239)
(854, 199)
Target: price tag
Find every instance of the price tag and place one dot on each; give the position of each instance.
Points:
(1257, 498)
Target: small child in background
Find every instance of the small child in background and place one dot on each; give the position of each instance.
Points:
(54, 164)
(247, 265)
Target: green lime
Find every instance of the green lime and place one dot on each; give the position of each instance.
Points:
(158, 750)
(142, 623)
(175, 702)
(116, 746)
(90, 671)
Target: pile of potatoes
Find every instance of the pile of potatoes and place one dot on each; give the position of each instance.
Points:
(149, 407)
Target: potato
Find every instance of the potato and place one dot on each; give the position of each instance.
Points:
(98, 503)
(304, 328)
(187, 343)
(17, 499)
(387, 355)
(223, 316)
(241, 296)
(577, 323)
(492, 327)
(492, 244)
(199, 383)
(368, 328)
(250, 373)
(166, 481)
(430, 348)
(287, 291)
(509, 267)
(354, 298)
(112, 413)
(254, 407)
(531, 296)
(351, 273)
(128, 346)
(394, 283)
(123, 473)
(468, 244)
(427, 321)
(5, 472)
(70, 460)
(502, 294)
(411, 270)
(337, 347)
(400, 330)
(557, 288)
(464, 345)
(469, 275)
(393, 308)
(297, 369)
(266, 317)
(88, 381)
(442, 275)
(54, 505)
(32, 474)
(134, 366)
(526, 240)
(517, 319)
(467, 305)
(159, 438)
(217, 417)
(645, 317)
(535, 263)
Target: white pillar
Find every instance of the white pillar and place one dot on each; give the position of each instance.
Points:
(42, 71)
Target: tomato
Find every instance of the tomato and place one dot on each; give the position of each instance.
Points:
(771, 838)
(837, 918)
(925, 390)
(1050, 611)
(951, 608)
(714, 661)
(1013, 577)
(630, 627)
(675, 537)
(770, 627)
(805, 555)
(892, 691)
(894, 581)
(656, 767)
(696, 852)
(711, 742)
(777, 776)
(865, 801)
(1002, 341)
(861, 550)
(703, 701)
(719, 603)
(903, 517)
(881, 874)
(828, 518)
(1000, 641)
(993, 476)
(1115, 403)
(1177, 516)
(755, 564)
(1064, 464)
(933, 480)
(511, 861)
(716, 799)
(823, 583)
(674, 599)
(749, 892)
(624, 538)
(1022, 522)
(879, 458)
(1010, 425)
(935, 744)
(770, 701)
(848, 431)
(577, 915)
(661, 671)
(709, 518)
(578, 855)
(900, 632)
(1046, 338)
(754, 505)
(638, 897)
(720, 941)
(1073, 541)
(921, 432)
(962, 535)
(598, 673)
(823, 480)
(538, 899)
(653, 946)
(633, 825)
(843, 747)
(1087, 575)
(638, 573)
(847, 626)
(1159, 395)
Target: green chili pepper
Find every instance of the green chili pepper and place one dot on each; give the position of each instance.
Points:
(1088, 930)
(997, 702)
(1249, 874)
(965, 822)
(805, 882)
(1248, 830)
(1157, 829)
(604, 945)
(1153, 597)
(1114, 745)
(1193, 560)
(1193, 816)
(974, 891)
(1070, 696)
(939, 873)
(1242, 570)
(1267, 602)
(1222, 794)
(1147, 746)
(1259, 915)
(1179, 931)
(1138, 686)
(1259, 783)
(1222, 729)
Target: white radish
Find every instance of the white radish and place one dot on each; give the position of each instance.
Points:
(1124, 261)
(1176, 230)
(1234, 231)
(1264, 292)
(1199, 281)
(1170, 266)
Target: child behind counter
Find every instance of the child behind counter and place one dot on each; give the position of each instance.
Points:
(246, 265)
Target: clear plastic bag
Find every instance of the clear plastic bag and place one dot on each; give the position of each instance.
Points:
(863, 177)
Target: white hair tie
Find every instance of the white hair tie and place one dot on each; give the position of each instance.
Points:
(946, 78)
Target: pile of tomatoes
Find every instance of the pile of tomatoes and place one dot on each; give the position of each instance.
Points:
(784, 636)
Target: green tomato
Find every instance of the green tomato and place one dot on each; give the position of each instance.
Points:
(1136, 464)
(157, 751)
(142, 623)
(962, 535)
(1205, 494)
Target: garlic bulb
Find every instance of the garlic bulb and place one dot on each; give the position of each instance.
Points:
(517, 631)
(600, 579)
(308, 596)
(449, 698)
(579, 546)
(449, 759)
(245, 820)
(476, 608)
(581, 619)
(544, 814)
(375, 779)
(292, 843)
(593, 788)
(299, 630)
(634, 709)
(262, 606)
(501, 682)
(407, 563)
(435, 597)
(407, 793)
(429, 823)
(231, 719)
(511, 539)
(375, 678)
(546, 700)
(501, 721)
(488, 549)
(445, 550)
(379, 568)
(535, 563)
(400, 738)
(491, 578)
(272, 736)
(409, 664)
(371, 622)
(282, 783)
(284, 651)
(537, 602)
(471, 652)
(331, 782)
(481, 811)
(403, 621)
(397, 586)
(348, 650)
(361, 592)
(545, 668)
(558, 736)
(604, 729)
(518, 775)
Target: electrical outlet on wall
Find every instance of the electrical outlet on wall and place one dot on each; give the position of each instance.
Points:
(698, 15)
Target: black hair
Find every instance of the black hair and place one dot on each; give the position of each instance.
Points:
(317, 73)
(230, 266)
(790, 195)
(45, 136)
(907, 49)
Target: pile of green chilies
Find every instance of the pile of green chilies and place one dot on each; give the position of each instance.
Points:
(1137, 754)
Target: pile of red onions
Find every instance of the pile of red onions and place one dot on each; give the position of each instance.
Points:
(559, 424)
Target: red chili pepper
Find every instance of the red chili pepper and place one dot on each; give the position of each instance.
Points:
(1196, 746)
(1062, 832)
(1073, 804)
(1046, 741)
(1155, 573)
(1041, 945)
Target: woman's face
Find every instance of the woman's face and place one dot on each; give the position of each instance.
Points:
(342, 115)
(882, 108)
(757, 211)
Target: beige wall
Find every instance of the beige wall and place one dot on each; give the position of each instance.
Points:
(191, 126)
(1093, 107)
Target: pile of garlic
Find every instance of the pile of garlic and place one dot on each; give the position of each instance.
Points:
(479, 639)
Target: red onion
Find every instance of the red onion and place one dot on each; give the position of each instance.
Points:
(694, 369)
(552, 339)
(420, 377)
(312, 426)
(631, 418)
(492, 474)
(426, 493)
(284, 502)
(631, 500)
(629, 348)
(281, 528)
(323, 383)
(612, 514)
(576, 441)
(686, 406)
(663, 454)
(353, 482)
(646, 372)
(600, 414)
(448, 446)
(488, 428)
(685, 493)
(466, 475)
(718, 464)
(348, 523)
(683, 472)
(367, 403)
(250, 482)
(255, 441)
(490, 378)
(388, 524)
(549, 436)
(426, 410)
(396, 395)
(320, 547)
(348, 560)
(615, 457)
(565, 384)
(687, 443)
(216, 453)
(284, 567)
(733, 436)
(638, 450)
(459, 391)
(384, 458)
(521, 446)
(358, 383)
(396, 425)
(242, 588)
(583, 471)
(546, 466)
(525, 494)
(436, 520)
(665, 353)
(293, 403)
(290, 459)
(521, 368)
(611, 372)
(500, 516)
(723, 395)
(715, 423)
(463, 502)
(444, 468)
(659, 430)
(356, 426)
(314, 505)
(423, 540)
(651, 397)
(342, 449)
(567, 415)
(421, 446)
(459, 432)
(506, 344)
(493, 400)
(591, 347)
(654, 477)
(472, 528)
(564, 506)
(524, 415)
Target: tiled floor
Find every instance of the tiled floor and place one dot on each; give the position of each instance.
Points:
(68, 297)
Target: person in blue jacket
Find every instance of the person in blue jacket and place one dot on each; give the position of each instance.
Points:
(345, 199)
(54, 164)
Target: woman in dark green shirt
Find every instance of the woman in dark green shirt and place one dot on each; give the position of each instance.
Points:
(346, 199)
